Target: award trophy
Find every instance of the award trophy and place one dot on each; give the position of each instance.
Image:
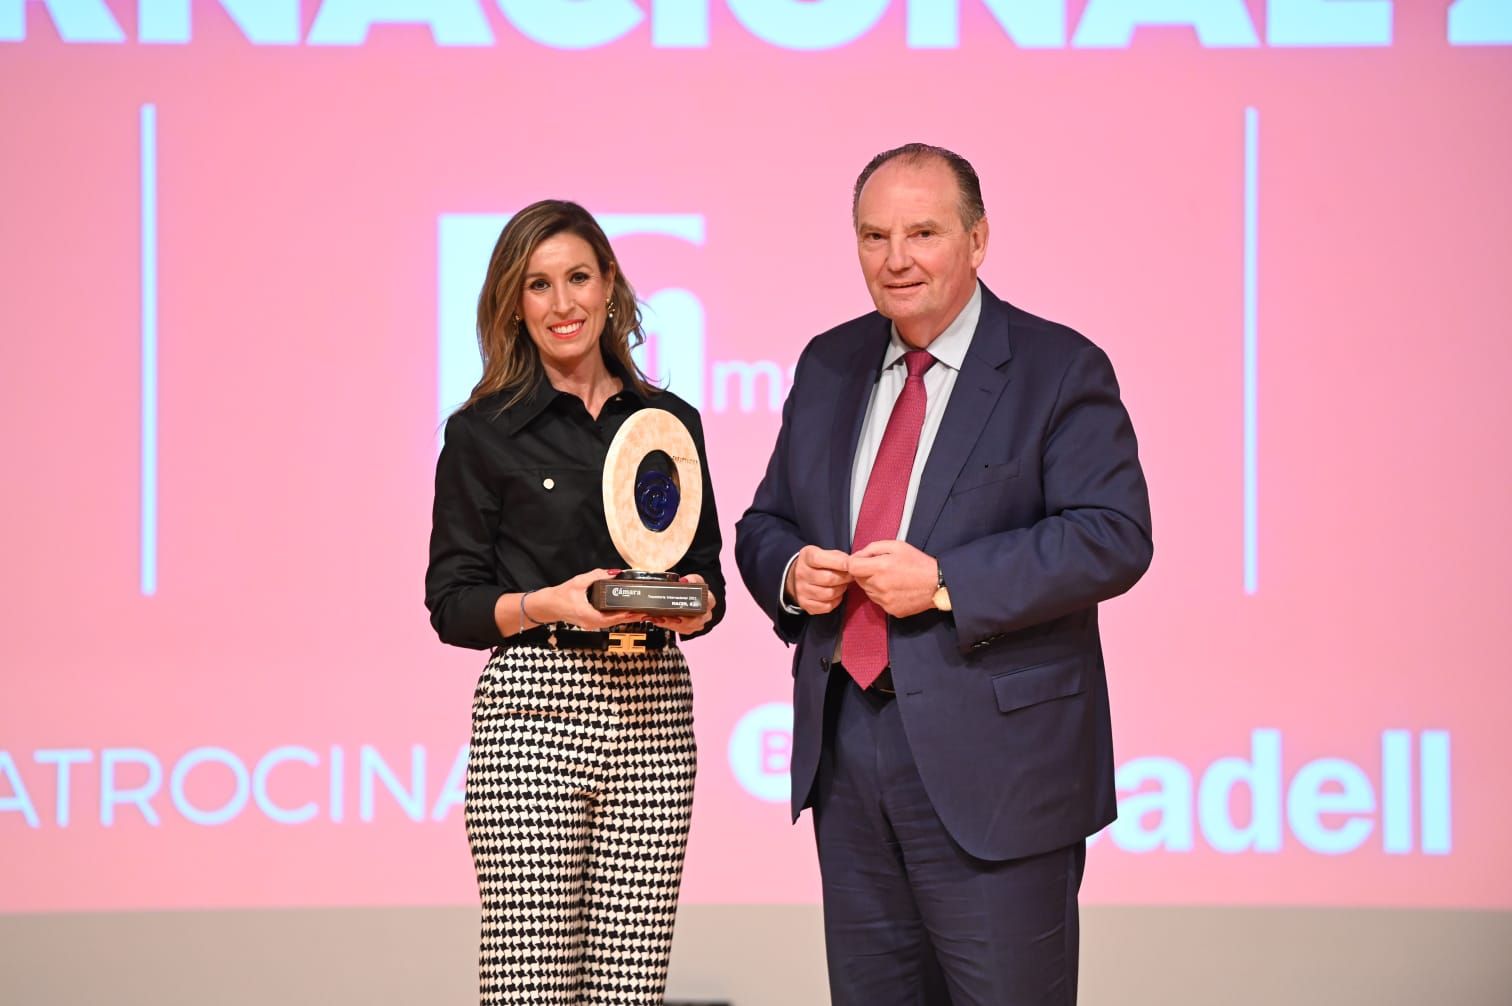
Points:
(653, 492)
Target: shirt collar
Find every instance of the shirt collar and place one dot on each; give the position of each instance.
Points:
(542, 395)
(950, 346)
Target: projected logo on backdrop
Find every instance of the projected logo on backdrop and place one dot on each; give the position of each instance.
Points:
(674, 354)
(760, 747)
(1330, 806)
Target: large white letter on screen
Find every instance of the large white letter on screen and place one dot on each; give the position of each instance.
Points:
(680, 24)
(1328, 22)
(674, 317)
(745, 375)
(112, 793)
(1169, 804)
(19, 799)
(759, 750)
(1480, 22)
(572, 24)
(263, 22)
(454, 789)
(372, 766)
(808, 24)
(64, 758)
(1310, 799)
(241, 789)
(452, 22)
(1110, 24)
(1438, 839)
(1261, 775)
(76, 21)
(1032, 24)
(265, 802)
(674, 323)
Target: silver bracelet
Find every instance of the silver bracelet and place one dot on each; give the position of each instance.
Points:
(524, 617)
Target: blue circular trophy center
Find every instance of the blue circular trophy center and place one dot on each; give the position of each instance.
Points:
(656, 498)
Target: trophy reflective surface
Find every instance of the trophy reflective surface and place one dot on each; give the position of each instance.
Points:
(653, 493)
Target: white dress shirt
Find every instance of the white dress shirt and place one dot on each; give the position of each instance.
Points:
(949, 351)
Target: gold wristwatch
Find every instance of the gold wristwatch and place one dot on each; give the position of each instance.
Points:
(941, 594)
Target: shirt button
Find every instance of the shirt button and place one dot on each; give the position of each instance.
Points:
(548, 483)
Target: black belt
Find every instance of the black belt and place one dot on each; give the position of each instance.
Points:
(882, 687)
(629, 638)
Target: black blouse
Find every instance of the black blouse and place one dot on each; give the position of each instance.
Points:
(519, 505)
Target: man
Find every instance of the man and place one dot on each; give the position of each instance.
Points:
(955, 487)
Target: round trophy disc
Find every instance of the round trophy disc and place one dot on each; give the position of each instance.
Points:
(646, 432)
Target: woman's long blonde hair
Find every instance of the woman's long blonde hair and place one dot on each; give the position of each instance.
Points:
(510, 359)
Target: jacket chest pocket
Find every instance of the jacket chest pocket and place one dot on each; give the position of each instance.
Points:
(979, 475)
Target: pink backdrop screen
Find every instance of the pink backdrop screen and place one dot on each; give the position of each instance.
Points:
(240, 250)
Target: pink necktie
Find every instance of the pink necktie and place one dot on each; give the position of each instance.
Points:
(865, 631)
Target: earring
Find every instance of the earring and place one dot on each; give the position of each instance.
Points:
(610, 307)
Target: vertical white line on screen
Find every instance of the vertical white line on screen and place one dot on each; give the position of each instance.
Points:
(149, 452)
(1396, 792)
(1251, 340)
(1434, 788)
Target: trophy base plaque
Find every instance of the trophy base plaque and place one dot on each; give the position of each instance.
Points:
(653, 593)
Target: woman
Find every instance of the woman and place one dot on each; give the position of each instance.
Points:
(580, 775)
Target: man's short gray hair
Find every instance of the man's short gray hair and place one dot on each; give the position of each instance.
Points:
(972, 209)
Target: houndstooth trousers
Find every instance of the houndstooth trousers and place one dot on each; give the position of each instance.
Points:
(579, 794)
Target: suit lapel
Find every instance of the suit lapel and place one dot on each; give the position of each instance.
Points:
(855, 387)
(977, 389)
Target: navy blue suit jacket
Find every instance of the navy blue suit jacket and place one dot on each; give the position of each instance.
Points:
(1033, 501)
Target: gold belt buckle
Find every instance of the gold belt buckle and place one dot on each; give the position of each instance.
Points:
(627, 642)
